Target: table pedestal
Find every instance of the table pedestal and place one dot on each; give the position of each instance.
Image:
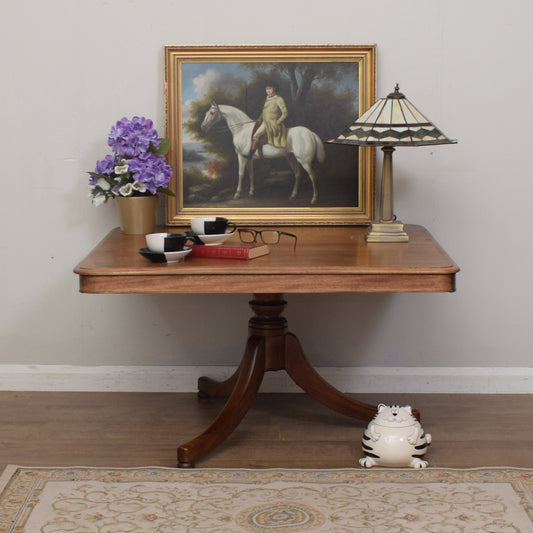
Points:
(269, 347)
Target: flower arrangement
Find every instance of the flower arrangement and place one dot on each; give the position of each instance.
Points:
(137, 167)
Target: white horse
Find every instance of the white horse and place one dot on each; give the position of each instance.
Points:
(303, 146)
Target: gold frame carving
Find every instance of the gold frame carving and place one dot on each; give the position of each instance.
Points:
(236, 75)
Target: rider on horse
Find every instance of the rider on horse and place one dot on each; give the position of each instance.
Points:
(270, 122)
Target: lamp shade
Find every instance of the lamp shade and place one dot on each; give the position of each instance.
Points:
(392, 121)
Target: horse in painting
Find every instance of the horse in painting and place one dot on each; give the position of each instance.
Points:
(303, 147)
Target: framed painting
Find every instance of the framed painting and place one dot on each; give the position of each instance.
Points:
(249, 128)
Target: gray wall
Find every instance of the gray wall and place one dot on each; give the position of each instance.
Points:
(70, 69)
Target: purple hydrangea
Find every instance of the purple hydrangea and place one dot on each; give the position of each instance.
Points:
(152, 170)
(138, 166)
(130, 138)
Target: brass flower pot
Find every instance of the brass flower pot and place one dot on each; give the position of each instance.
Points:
(137, 214)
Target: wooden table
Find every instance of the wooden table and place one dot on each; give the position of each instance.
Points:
(327, 259)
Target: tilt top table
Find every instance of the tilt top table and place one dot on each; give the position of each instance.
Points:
(327, 259)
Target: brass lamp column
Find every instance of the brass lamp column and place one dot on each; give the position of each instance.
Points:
(391, 121)
(388, 229)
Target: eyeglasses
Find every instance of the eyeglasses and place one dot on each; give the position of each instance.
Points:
(267, 236)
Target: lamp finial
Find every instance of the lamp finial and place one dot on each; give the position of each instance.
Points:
(396, 94)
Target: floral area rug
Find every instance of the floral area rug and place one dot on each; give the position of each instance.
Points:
(163, 500)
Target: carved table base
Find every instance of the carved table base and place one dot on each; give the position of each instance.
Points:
(269, 347)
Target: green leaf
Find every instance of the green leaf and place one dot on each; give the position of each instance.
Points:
(163, 147)
(166, 191)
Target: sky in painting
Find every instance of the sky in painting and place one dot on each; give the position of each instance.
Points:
(198, 78)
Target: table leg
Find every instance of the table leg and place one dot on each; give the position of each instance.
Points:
(250, 376)
(306, 377)
(210, 388)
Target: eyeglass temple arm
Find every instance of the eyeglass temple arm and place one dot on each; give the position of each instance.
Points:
(290, 235)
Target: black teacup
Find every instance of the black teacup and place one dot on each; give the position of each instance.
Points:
(175, 242)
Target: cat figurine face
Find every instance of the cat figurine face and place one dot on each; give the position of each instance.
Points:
(394, 416)
(394, 437)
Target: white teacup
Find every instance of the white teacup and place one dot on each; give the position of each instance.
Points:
(167, 242)
(210, 225)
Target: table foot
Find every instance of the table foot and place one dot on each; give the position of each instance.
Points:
(247, 384)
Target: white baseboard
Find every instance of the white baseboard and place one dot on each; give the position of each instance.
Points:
(481, 380)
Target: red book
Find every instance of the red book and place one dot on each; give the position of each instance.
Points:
(230, 251)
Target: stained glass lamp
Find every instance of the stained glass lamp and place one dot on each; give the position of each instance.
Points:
(392, 121)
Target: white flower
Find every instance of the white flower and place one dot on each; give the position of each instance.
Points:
(126, 190)
(121, 169)
(99, 199)
(103, 184)
(138, 186)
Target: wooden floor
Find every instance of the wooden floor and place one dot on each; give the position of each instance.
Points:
(280, 430)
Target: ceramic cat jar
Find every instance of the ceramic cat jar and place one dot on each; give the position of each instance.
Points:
(394, 438)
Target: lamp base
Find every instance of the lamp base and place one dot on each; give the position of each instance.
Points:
(387, 232)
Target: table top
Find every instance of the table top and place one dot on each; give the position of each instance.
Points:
(327, 259)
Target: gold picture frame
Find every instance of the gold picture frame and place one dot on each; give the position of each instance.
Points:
(213, 96)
